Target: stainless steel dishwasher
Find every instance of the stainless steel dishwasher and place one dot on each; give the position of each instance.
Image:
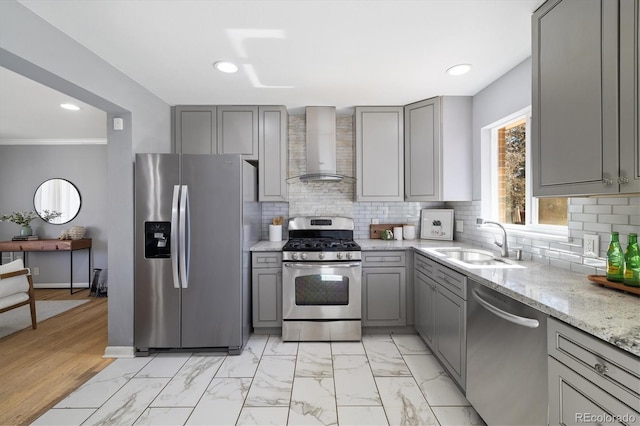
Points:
(506, 359)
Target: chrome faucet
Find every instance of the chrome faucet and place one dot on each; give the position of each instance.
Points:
(504, 249)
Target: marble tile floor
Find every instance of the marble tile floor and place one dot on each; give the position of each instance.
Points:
(383, 380)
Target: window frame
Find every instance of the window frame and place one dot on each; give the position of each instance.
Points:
(489, 182)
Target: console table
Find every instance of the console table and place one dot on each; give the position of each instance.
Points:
(49, 246)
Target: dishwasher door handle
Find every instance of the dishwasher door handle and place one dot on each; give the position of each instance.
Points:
(522, 321)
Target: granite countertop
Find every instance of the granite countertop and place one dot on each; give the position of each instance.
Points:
(268, 245)
(607, 314)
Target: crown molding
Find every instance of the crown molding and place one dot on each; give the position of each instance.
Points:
(88, 141)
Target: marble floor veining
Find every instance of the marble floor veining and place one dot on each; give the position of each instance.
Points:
(383, 380)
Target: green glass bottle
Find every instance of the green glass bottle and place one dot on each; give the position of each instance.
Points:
(615, 259)
(632, 262)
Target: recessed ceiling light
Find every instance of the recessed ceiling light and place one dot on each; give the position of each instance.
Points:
(459, 69)
(225, 66)
(70, 107)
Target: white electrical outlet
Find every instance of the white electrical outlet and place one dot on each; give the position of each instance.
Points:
(35, 270)
(375, 221)
(459, 226)
(591, 245)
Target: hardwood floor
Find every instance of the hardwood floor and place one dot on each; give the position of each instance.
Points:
(40, 367)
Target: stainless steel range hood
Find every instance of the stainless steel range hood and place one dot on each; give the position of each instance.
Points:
(321, 145)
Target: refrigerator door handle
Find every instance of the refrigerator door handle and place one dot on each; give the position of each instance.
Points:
(185, 233)
(174, 235)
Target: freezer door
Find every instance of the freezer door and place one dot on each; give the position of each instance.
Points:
(212, 297)
(156, 295)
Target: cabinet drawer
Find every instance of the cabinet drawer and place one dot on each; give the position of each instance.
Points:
(610, 368)
(383, 258)
(452, 280)
(424, 265)
(574, 400)
(267, 260)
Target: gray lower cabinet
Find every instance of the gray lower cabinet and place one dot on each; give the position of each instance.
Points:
(194, 129)
(590, 381)
(425, 304)
(438, 149)
(379, 147)
(451, 333)
(238, 131)
(425, 298)
(585, 98)
(384, 289)
(441, 314)
(267, 289)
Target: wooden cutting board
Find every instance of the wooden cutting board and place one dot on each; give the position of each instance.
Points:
(602, 280)
(376, 230)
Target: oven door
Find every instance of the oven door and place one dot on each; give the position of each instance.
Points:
(320, 291)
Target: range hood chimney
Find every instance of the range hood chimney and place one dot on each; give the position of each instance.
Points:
(321, 145)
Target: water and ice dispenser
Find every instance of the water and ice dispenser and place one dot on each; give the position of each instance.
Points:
(157, 240)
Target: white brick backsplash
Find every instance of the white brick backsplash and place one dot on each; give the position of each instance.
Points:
(586, 215)
(560, 264)
(631, 210)
(583, 217)
(614, 219)
(603, 209)
(595, 215)
(584, 201)
(613, 201)
(598, 227)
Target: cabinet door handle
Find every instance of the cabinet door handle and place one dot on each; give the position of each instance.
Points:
(607, 181)
(602, 369)
(623, 180)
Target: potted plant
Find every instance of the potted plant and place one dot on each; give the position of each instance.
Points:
(24, 219)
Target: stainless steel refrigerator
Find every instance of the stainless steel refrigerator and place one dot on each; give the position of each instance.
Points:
(196, 218)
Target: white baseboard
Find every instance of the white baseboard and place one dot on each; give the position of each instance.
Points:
(60, 285)
(119, 352)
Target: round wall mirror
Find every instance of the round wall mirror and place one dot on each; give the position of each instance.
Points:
(57, 195)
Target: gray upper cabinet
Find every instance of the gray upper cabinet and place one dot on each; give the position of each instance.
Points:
(379, 153)
(195, 129)
(238, 131)
(629, 96)
(257, 133)
(438, 149)
(585, 98)
(272, 153)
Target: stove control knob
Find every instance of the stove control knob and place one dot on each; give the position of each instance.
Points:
(294, 256)
(349, 256)
(339, 255)
(304, 256)
(321, 256)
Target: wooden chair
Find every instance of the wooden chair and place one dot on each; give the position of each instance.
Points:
(16, 288)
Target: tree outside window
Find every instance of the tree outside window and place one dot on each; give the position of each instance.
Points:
(512, 180)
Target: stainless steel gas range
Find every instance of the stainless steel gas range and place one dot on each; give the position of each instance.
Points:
(321, 281)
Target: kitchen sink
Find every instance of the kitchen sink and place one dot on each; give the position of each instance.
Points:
(474, 258)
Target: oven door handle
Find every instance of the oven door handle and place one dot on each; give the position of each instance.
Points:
(315, 266)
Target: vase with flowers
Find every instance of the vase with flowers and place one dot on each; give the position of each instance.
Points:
(24, 219)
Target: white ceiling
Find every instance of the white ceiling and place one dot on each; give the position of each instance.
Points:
(30, 111)
(300, 52)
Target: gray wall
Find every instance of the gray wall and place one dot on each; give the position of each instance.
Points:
(506, 95)
(33, 48)
(86, 167)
